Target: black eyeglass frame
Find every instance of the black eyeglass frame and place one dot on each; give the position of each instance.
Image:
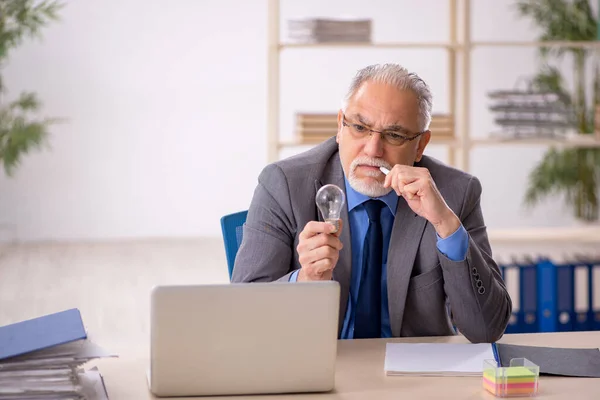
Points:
(394, 138)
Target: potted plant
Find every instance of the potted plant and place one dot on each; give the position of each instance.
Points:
(21, 129)
(574, 172)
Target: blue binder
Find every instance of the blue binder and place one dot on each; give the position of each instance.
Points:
(565, 297)
(41, 333)
(546, 303)
(583, 289)
(594, 294)
(528, 321)
(513, 323)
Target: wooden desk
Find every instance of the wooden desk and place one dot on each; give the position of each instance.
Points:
(359, 374)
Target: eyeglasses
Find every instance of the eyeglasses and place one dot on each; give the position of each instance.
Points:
(394, 138)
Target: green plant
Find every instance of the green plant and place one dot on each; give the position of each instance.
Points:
(573, 172)
(21, 130)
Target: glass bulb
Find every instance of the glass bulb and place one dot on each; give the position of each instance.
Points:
(330, 199)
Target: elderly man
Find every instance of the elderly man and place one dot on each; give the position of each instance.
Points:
(411, 254)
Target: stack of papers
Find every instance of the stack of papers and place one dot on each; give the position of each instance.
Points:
(437, 359)
(43, 358)
(323, 30)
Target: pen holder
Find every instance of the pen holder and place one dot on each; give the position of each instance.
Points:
(520, 379)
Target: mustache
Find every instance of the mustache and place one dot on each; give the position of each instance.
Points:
(370, 161)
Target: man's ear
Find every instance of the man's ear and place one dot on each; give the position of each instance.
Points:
(340, 120)
(423, 142)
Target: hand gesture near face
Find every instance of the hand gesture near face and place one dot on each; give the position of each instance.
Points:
(419, 190)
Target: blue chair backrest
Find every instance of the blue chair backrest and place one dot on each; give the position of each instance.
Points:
(232, 229)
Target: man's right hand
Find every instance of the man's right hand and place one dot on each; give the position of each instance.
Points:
(318, 251)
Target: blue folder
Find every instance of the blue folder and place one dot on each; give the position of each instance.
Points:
(546, 304)
(584, 313)
(593, 264)
(41, 333)
(513, 323)
(528, 318)
(565, 297)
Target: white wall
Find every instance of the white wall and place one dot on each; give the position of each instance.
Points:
(167, 110)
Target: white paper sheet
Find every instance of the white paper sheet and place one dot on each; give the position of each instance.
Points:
(436, 359)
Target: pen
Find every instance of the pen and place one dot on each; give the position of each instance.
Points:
(384, 170)
(496, 356)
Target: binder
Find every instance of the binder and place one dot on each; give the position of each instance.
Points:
(41, 333)
(594, 290)
(553, 295)
(546, 302)
(510, 275)
(528, 319)
(565, 297)
(43, 358)
(583, 288)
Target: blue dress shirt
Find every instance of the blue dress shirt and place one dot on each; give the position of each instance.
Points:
(454, 247)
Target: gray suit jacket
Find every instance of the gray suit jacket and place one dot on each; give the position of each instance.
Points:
(427, 292)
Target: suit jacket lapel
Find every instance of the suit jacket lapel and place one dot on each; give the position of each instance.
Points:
(343, 270)
(406, 236)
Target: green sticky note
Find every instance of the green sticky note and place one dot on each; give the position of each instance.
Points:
(511, 375)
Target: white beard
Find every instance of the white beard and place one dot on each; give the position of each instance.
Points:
(368, 187)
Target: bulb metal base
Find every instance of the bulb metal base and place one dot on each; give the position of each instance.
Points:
(335, 222)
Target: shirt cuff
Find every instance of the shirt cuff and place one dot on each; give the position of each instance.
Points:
(454, 246)
(294, 276)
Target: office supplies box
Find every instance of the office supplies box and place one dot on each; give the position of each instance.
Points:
(43, 358)
(519, 379)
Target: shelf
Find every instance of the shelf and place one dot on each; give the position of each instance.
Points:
(296, 143)
(590, 142)
(585, 142)
(444, 45)
(382, 45)
(582, 142)
(441, 45)
(583, 234)
(564, 43)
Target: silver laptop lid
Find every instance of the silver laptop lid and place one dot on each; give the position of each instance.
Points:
(243, 338)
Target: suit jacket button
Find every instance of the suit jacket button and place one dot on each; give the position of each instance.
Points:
(479, 283)
(474, 271)
(481, 290)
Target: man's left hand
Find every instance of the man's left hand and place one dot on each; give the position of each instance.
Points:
(423, 197)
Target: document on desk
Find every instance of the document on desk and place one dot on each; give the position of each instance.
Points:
(555, 361)
(43, 358)
(436, 359)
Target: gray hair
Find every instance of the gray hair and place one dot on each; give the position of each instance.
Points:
(398, 76)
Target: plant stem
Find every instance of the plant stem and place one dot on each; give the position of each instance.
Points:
(580, 56)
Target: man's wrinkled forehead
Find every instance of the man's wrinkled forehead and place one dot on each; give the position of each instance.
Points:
(370, 122)
(383, 107)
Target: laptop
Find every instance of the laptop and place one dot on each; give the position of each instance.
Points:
(243, 338)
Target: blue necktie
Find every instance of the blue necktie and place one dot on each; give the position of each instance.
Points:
(367, 322)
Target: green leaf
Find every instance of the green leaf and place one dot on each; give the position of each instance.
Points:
(574, 173)
(20, 19)
(19, 136)
(26, 102)
(21, 130)
(549, 79)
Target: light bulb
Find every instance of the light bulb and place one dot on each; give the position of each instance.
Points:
(330, 199)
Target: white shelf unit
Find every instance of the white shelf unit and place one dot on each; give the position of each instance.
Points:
(459, 147)
(582, 234)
